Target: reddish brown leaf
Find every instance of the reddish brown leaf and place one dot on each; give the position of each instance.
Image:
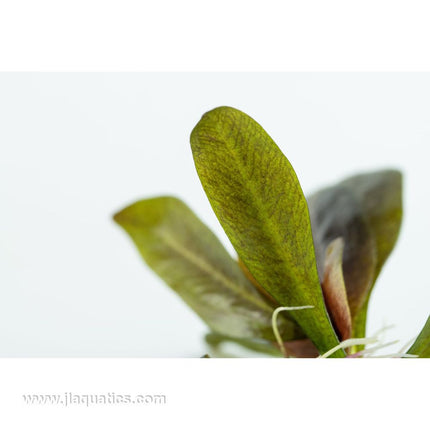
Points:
(334, 290)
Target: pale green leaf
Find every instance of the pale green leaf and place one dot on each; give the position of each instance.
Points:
(192, 261)
(261, 346)
(258, 200)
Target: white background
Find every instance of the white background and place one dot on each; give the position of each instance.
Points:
(101, 35)
(214, 394)
(78, 147)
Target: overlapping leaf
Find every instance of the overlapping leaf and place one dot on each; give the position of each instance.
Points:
(258, 200)
(421, 346)
(301, 348)
(380, 194)
(335, 213)
(334, 289)
(191, 260)
(366, 210)
(215, 340)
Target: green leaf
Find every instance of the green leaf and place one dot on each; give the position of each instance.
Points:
(258, 200)
(267, 297)
(421, 346)
(193, 262)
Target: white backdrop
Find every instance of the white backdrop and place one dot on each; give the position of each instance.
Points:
(75, 148)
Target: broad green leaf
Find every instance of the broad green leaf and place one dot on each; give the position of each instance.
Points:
(380, 194)
(421, 346)
(259, 288)
(335, 213)
(192, 261)
(334, 290)
(258, 200)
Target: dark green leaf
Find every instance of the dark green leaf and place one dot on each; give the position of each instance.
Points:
(366, 210)
(421, 346)
(258, 200)
(380, 194)
(335, 212)
(191, 260)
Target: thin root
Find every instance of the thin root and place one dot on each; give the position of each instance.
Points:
(368, 351)
(275, 325)
(347, 343)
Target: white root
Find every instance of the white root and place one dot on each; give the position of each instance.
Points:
(275, 325)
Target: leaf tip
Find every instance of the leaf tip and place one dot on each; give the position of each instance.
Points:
(120, 217)
(214, 119)
(145, 212)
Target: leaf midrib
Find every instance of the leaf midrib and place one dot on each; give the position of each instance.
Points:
(269, 227)
(204, 266)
